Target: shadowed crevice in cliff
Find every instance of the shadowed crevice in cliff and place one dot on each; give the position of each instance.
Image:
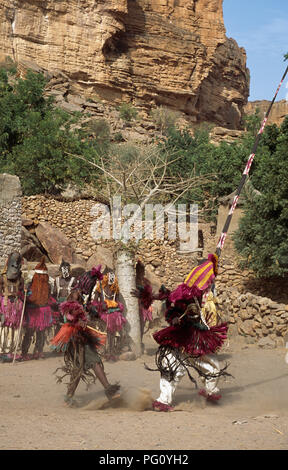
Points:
(80, 75)
(115, 46)
(44, 6)
(227, 74)
(120, 42)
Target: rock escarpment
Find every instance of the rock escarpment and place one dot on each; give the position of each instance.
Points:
(278, 112)
(167, 52)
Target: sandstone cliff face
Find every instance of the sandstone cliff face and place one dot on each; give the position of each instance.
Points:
(278, 112)
(150, 52)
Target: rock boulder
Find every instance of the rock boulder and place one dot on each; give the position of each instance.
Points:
(55, 243)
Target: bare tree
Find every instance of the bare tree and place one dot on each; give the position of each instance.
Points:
(139, 175)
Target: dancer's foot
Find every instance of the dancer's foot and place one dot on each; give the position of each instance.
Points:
(158, 406)
(112, 391)
(209, 396)
(214, 397)
(69, 401)
(38, 355)
(25, 357)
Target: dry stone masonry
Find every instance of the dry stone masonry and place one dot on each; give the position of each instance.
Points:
(10, 215)
(74, 220)
(258, 318)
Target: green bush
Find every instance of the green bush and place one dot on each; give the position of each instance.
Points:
(195, 155)
(262, 238)
(99, 129)
(127, 112)
(36, 138)
(164, 118)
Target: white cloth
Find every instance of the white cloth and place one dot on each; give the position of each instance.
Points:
(208, 364)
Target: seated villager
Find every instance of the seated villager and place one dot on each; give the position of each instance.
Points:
(82, 345)
(188, 342)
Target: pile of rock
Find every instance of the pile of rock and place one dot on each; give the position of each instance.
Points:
(221, 134)
(68, 97)
(257, 318)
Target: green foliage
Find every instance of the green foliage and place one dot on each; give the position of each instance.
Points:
(252, 122)
(195, 155)
(127, 112)
(164, 118)
(35, 138)
(98, 131)
(262, 236)
(99, 128)
(126, 154)
(8, 65)
(118, 137)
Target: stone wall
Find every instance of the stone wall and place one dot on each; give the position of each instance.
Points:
(10, 215)
(161, 258)
(258, 318)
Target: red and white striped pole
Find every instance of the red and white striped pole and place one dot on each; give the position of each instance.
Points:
(246, 172)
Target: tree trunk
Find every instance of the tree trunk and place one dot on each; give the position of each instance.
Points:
(126, 274)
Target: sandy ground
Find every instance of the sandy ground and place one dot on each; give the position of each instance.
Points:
(252, 414)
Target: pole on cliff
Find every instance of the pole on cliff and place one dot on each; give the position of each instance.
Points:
(246, 170)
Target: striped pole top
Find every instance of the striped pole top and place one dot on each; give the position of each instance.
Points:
(202, 276)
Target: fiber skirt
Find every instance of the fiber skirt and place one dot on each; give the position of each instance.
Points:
(38, 318)
(12, 312)
(113, 317)
(114, 321)
(191, 340)
(146, 314)
(69, 331)
(92, 357)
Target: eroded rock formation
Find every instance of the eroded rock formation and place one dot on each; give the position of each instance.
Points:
(160, 52)
(278, 112)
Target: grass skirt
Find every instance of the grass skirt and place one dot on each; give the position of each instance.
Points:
(38, 318)
(12, 312)
(192, 340)
(114, 320)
